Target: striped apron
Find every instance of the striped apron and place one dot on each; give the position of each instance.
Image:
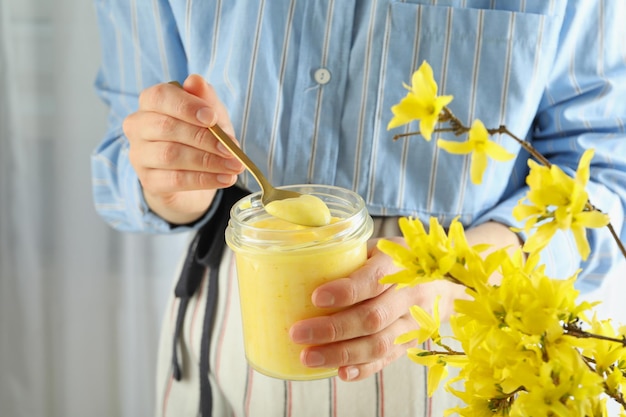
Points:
(202, 369)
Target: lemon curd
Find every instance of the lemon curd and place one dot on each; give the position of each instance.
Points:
(279, 265)
(306, 210)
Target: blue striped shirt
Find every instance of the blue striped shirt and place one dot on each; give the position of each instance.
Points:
(309, 86)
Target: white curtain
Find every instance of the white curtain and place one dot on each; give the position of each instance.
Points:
(80, 304)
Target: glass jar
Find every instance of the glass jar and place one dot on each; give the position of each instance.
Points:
(279, 265)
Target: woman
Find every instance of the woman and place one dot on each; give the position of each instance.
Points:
(306, 88)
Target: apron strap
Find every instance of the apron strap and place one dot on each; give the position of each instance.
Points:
(203, 257)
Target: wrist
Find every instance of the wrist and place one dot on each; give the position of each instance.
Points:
(182, 208)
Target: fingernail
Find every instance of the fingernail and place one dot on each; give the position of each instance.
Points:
(324, 299)
(206, 116)
(352, 373)
(223, 149)
(313, 358)
(233, 164)
(226, 179)
(301, 334)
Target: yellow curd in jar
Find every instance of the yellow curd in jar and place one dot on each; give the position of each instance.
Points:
(280, 264)
(275, 292)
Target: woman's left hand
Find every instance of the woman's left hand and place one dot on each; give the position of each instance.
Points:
(359, 340)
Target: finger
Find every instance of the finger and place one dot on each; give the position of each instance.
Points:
(359, 350)
(159, 181)
(361, 357)
(174, 156)
(365, 370)
(178, 103)
(153, 126)
(366, 318)
(197, 85)
(362, 284)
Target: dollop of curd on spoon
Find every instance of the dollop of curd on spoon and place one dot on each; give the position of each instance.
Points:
(306, 210)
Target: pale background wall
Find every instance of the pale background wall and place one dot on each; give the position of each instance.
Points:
(80, 304)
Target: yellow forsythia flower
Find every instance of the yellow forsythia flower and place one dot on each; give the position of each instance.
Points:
(421, 102)
(437, 365)
(429, 256)
(558, 201)
(480, 146)
(428, 325)
(524, 351)
(605, 353)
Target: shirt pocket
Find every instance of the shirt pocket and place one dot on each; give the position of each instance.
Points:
(495, 63)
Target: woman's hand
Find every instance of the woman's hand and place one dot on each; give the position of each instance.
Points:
(178, 161)
(360, 339)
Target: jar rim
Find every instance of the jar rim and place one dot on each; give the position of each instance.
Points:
(348, 206)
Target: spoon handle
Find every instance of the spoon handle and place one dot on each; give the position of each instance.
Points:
(240, 155)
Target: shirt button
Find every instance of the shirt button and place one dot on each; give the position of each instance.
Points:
(322, 76)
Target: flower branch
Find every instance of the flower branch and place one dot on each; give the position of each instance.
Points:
(522, 336)
(616, 396)
(573, 330)
(458, 128)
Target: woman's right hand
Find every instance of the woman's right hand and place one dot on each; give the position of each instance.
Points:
(180, 164)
